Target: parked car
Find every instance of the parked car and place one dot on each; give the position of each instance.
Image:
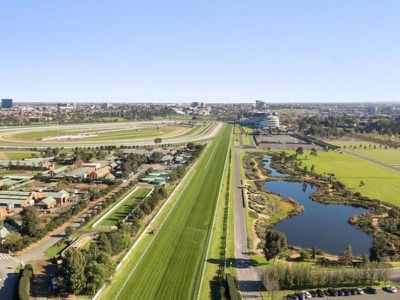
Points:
(54, 284)
(300, 296)
(390, 289)
(320, 293)
(370, 290)
(340, 293)
(353, 291)
(332, 292)
(306, 294)
(346, 292)
(313, 294)
(360, 291)
(292, 297)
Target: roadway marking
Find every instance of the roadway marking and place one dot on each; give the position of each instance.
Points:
(4, 256)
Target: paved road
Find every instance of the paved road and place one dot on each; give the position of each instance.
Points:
(248, 279)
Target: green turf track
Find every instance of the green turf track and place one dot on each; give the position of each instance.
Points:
(125, 208)
(172, 265)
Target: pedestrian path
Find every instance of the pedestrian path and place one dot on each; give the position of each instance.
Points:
(4, 256)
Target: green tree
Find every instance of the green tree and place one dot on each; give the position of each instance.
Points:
(74, 264)
(346, 257)
(377, 251)
(275, 244)
(313, 152)
(299, 151)
(30, 221)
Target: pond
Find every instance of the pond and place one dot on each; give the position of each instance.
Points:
(324, 226)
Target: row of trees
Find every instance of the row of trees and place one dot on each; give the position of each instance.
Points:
(294, 277)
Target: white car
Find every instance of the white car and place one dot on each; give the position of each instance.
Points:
(306, 294)
(360, 291)
(390, 289)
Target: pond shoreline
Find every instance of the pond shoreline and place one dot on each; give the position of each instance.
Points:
(328, 191)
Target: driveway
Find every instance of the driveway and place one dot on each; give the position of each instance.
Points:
(247, 276)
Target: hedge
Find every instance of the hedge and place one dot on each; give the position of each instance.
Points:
(24, 285)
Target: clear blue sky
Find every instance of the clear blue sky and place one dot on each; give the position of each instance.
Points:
(226, 51)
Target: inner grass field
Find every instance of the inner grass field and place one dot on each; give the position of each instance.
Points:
(119, 213)
(380, 182)
(170, 264)
(118, 133)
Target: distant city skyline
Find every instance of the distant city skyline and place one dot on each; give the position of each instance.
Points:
(211, 51)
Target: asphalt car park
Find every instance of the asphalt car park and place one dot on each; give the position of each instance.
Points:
(380, 295)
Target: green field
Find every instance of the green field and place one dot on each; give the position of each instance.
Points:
(121, 133)
(169, 265)
(248, 140)
(124, 208)
(211, 288)
(380, 182)
(387, 156)
(18, 154)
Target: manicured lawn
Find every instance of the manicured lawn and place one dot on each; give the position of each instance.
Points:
(386, 156)
(56, 248)
(248, 140)
(124, 208)
(169, 265)
(380, 182)
(211, 288)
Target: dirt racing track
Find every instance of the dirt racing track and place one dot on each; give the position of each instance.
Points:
(100, 134)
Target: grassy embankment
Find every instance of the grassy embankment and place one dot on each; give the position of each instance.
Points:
(380, 182)
(169, 264)
(125, 208)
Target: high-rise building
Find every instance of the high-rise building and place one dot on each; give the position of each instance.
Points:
(6, 103)
(261, 104)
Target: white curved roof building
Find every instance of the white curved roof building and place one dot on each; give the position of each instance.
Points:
(272, 122)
